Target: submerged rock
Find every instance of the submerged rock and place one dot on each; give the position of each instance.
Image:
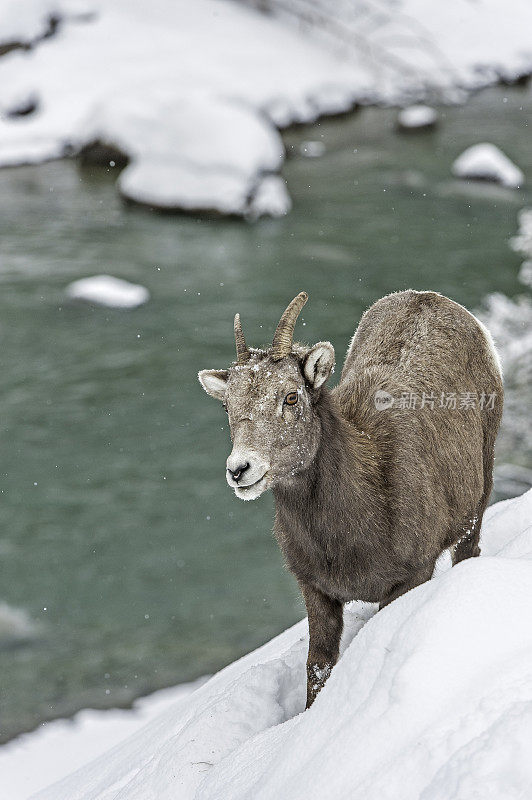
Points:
(486, 162)
(15, 625)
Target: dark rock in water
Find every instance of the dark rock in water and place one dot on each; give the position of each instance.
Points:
(519, 80)
(102, 154)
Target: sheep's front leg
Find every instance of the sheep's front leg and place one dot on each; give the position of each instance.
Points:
(325, 622)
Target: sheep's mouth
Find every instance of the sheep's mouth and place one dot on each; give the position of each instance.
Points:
(252, 490)
(251, 485)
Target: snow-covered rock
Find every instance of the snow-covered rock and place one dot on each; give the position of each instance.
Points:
(510, 323)
(183, 89)
(222, 149)
(431, 700)
(143, 76)
(105, 290)
(417, 117)
(522, 243)
(525, 273)
(486, 162)
(270, 198)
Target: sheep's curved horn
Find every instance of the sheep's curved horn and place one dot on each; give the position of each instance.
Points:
(282, 340)
(242, 352)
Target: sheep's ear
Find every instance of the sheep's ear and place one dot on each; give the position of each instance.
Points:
(214, 381)
(319, 363)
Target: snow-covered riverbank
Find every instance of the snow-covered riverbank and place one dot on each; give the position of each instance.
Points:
(36, 759)
(431, 699)
(193, 93)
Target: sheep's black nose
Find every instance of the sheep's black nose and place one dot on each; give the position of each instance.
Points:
(237, 473)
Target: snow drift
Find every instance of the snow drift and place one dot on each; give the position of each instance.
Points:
(62, 745)
(431, 699)
(193, 93)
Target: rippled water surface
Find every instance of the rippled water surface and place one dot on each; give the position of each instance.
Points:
(126, 562)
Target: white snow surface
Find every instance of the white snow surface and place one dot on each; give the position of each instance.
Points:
(271, 197)
(417, 116)
(431, 700)
(33, 760)
(24, 22)
(522, 243)
(106, 290)
(525, 273)
(193, 91)
(485, 161)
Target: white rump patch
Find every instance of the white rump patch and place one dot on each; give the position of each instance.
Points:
(489, 341)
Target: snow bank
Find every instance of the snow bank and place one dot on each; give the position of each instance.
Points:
(223, 148)
(510, 322)
(23, 23)
(187, 91)
(431, 699)
(416, 117)
(105, 290)
(26, 22)
(193, 93)
(58, 747)
(486, 162)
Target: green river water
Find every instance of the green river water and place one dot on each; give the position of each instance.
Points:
(119, 537)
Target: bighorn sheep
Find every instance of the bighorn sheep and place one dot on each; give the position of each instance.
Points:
(375, 478)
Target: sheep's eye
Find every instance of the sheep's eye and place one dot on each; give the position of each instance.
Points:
(291, 399)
